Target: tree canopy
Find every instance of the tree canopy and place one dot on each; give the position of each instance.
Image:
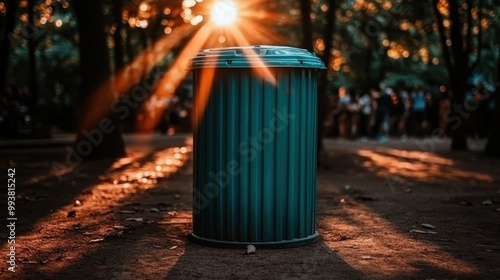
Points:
(402, 43)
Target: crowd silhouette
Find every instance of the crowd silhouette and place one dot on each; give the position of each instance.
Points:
(380, 113)
(383, 112)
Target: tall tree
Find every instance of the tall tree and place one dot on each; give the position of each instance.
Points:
(308, 43)
(8, 22)
(493, 145)
(456, 51)
(307, 39)
(117, 35)
(33, 77)
(102, 132)
(328, 33)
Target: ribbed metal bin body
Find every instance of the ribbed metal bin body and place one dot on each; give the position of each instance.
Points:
(255, 145)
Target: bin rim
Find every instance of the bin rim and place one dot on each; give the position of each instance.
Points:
(256, 56)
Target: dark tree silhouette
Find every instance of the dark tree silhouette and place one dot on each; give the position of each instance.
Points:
(117, 35)
(33, 77)
(307, 39)
(8, 23)
(493, 144)
(101, 131)
(457, 60)
(328, 33)
(307, 43)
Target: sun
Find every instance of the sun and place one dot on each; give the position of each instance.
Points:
(224, 13)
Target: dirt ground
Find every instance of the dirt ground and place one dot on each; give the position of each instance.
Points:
(398, 210)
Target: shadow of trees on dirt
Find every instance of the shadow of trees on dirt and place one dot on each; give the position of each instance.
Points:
(368, 229)
(40, 192)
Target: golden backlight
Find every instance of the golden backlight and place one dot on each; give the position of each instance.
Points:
(224, 13)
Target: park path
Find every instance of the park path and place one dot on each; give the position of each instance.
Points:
(398, 210)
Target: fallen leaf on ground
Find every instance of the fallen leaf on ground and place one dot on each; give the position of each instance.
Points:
(250, 249)
(135, 219)
(487, 203)
(423, 231)
(96, 240)
(77, 226)
(428, 226)
(126, 212)
(120, 227)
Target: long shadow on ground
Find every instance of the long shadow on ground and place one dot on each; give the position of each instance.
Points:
(369, 230)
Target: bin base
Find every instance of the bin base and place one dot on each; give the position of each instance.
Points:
(269, 245)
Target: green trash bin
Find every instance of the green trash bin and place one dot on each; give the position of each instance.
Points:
(255, 142)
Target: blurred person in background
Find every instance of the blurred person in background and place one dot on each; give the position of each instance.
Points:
(431, 113)
(354, 114)
(365, 113)
(444, 110)
(343, 118)
(331, 122)
(383, 113)
(397, 115)
(417, 113)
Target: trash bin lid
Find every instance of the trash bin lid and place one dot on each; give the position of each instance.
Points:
(255, 56)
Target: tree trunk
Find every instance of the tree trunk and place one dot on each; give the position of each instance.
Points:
(366, 84)
(442, 38)
(493, 145)
(6, 40)
(307, 39)
(117, 36)
(98, 136)
(128, 43)
(323, 77)
(458, 77)
(33, 77)
(308, 43)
